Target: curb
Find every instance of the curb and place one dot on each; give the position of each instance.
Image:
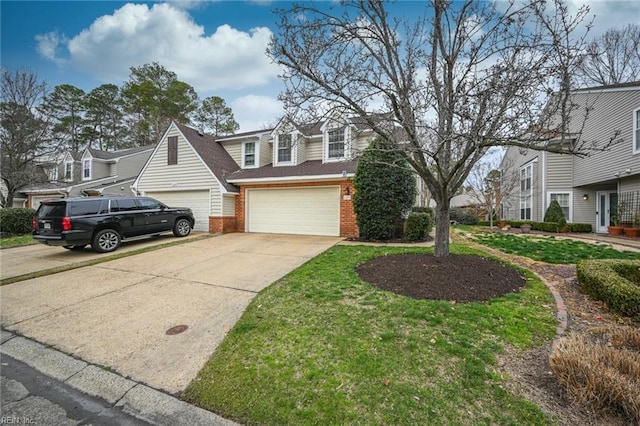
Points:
(133, 398)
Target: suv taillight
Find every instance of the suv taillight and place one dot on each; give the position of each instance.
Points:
(66, 223)
(34, 223)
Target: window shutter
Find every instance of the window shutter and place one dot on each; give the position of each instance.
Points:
(172, 153)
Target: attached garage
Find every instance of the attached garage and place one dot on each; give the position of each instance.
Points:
(300, 210)
(36, 200)
(197, 201)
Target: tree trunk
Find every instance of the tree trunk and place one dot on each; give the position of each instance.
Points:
(442, 229)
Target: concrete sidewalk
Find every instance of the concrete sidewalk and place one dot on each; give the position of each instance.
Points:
(118, 397)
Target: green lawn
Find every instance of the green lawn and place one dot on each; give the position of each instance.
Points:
(551, 249)
(320, 346)
(17, 241)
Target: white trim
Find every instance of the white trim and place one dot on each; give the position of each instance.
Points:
(345, 139)
(287, 179)
(635, 148)
(87, 161)
(524, 195)
(561, 191)
(256, 154)
(293, 148)
(155, 150)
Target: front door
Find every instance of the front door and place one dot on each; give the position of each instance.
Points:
(605, 210)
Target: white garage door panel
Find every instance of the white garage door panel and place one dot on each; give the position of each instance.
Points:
(305, 211)
(197, 201)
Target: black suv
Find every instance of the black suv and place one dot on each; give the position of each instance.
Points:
(104, 222)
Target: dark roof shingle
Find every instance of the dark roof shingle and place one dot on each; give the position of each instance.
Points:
(213, 154)
(308, 168)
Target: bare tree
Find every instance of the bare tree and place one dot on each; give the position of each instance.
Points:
(458, 80)
(491, 181)
(24, 133)
(613, 58)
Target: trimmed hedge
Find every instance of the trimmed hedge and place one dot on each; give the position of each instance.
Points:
(418, 226)
(16, 220)
(615, 282)
(544, 226)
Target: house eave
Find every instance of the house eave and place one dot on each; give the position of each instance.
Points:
(292, 179)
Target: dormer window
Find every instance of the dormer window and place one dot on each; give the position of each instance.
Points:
(86, 169)
(53, 173)
(336, 143)
(68, 170)
(285, 148)
(249, 156)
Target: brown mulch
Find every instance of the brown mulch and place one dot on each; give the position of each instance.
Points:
(473, 278)
(454, 278)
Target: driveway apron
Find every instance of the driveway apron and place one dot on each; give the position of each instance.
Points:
(117, 314)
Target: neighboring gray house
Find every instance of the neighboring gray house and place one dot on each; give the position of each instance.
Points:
(588, 189)
(91, 172)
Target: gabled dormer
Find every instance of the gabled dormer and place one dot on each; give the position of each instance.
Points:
(86, 164)
(289, 147)
(337, 136)
(249, 150)
(69, 165)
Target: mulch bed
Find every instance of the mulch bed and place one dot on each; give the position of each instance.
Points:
(473, 278)
(456, 278)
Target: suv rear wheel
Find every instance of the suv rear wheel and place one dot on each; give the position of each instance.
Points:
(106, 240)
(182, 228)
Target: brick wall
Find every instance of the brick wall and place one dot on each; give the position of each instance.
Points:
(348, 226)
(223, 225)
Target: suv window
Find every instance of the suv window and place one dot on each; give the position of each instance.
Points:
(86, 208)
(51, 210)
(148, 204)
(124, 205)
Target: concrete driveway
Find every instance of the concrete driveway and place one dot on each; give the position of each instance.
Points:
(38, 257)
(116, 314)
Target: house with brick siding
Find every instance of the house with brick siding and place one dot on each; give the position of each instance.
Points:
(290, 179)
(589, 189)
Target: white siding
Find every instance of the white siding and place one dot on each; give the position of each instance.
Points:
(314, 149)
(229, 205)
(234, 149)
(630, 184)
(189, 174)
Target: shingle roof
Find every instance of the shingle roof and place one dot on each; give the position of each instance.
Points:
(308, 168)
(109, 155)
(213, 154)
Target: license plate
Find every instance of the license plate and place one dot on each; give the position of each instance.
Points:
(47, 226)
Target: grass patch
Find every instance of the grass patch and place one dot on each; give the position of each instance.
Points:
(320, 346)
(551, 249)
(17, 241)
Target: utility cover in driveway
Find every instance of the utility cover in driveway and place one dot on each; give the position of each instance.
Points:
(117, 313)
(300, 210)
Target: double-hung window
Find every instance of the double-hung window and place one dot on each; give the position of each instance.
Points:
(249, 154)
(636, 131)
(564, 199)
(86, 169)
(336, 143)
(284, 148)
(526, 176)
(68, 170)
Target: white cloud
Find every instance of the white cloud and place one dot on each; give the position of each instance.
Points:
(254, 112)
(136, 34)
(49, 45)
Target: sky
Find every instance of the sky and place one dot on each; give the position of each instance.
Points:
(218, 47)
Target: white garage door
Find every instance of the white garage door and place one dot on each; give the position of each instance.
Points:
(197, 201)
(306, 211)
